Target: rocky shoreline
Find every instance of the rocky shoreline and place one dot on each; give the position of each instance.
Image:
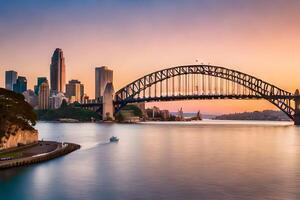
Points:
(31, 154)
(15, 136)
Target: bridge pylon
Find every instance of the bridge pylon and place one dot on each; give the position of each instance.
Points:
(297, 108)
(108, 106)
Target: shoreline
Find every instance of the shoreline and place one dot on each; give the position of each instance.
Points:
(35, 153)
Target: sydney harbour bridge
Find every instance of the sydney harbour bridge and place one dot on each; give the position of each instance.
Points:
(203, 82)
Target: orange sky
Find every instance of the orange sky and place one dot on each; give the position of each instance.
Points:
(261, 40)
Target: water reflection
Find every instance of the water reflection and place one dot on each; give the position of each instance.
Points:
(203, 160)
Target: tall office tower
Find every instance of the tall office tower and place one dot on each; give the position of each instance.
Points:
(40, 80)
(43, 98)
(10, 79)
(21, 85)
(74, 90)
(103, 75)
(57, 72)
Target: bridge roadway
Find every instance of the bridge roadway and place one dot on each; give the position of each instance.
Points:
(206, 97)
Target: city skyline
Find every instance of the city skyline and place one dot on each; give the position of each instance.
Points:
(175, 33)
(149, 99)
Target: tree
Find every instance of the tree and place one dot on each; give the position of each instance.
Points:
(15, 111)
(136, 110)
(70, 112)
(64, 104)
(108, 117)
(119, 117)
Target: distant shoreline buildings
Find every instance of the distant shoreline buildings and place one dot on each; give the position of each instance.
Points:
(50, 94)
(75, 91)
(14, 82)
(40, 80)
(10, 79)
(21, 84)
(44, 94)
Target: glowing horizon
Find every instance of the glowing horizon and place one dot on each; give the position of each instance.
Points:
(133, 38)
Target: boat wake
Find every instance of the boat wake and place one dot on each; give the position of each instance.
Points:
(91, 145)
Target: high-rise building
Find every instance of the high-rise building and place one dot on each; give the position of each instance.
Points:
(75, 90)
(31, 98)
(103, 75)
(10, 79)
(43, 98)
(40, 80)
(57, 72)
(21, 84)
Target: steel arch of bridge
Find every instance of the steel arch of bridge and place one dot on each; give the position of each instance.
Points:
(258, 89)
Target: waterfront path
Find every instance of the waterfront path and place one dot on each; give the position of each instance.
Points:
(34, 153)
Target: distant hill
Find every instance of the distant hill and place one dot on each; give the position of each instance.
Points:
(267, 115)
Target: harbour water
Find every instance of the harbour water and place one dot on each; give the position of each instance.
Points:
(192, 160)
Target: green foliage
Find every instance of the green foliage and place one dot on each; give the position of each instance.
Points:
(15, 111)
(75, 104)
(119, 117)
(136, 110)
(256, 115)
(133, 109)
(64, 104)
(69, 112)
(14, 154)
(108, 117)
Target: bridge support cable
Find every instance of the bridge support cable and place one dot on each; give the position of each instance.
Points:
(221, 86)
(155, 86)
(185, 84)
(173, 86)
(198, 84)
(203, 84)
(179, 85)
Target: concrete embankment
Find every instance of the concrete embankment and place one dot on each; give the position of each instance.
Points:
(60, 150)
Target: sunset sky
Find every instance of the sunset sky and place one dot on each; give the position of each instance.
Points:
(135, 37)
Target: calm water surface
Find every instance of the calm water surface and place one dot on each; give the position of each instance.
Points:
(206, 160)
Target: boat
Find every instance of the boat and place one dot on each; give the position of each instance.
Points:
(114, 139)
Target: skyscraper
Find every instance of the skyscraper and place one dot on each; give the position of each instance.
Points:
(57, 71)
(75, 90)
(10, 79)
(21, 84)
(40, 80)
(43, 98)
(103, 75)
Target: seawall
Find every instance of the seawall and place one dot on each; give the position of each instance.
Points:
(60, 151)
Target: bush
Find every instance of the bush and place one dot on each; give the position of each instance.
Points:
(67, 112)
(136, 110)
(15, 111)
